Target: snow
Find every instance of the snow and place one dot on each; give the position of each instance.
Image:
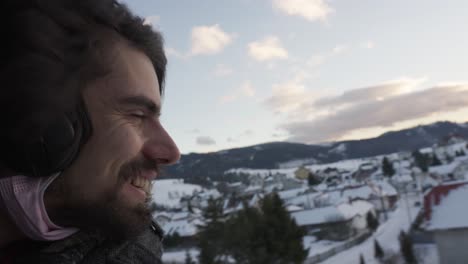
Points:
(454, 205)
(344, 211)
(320, 246)
(183, 227)
(168, 192)
(318, 216)
(404, 178)
(386, 188)
(355, 208)
(386, 234)
(293, 208)
(286, 195)
(350, 165)
(444, 169)
(304, 200)
(179, 256)
(340, 149)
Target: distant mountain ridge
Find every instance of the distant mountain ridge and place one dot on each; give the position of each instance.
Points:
(196, 166)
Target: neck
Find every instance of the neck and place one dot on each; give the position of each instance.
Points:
(8, 231)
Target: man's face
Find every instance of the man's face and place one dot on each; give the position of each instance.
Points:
(108, 186)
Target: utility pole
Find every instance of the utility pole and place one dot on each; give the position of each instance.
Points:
(405, 194)
(383, 203)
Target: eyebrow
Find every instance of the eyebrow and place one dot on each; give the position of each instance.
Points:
(140, 100)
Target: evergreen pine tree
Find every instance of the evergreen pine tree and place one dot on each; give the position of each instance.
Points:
(210, 237)
(435, 160)
(406, 247)
(372, 221)
(361, 259)
(188, 258)
(312, 180)
(421, 160)
(268, 235)
(387, 167)
(378, 251)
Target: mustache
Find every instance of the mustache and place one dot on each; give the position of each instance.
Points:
(135, 167)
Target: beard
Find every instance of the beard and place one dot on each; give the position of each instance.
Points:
(110, 215)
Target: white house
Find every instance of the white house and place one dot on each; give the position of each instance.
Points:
(352, 214)
(449, 222)
(456, 170)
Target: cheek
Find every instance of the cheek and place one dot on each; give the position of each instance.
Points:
(96, 169)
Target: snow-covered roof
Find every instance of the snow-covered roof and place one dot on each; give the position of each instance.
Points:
(318, 216)
(213, 193)
(357, 207)
(162, 214)
(444, 169)
(402, 178)
(293, 208)
(255, 199)
(180, 215)
(285, 195)
(304, 199)
(452, 205)
(273, 187)
(344, 211)
(253, 188)
(183, 227)
(235, 184)
(428, 150)
(387, 188)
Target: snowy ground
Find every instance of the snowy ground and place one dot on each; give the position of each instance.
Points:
(177, 257)
(386, 234)
(320, 246)
(169, 192)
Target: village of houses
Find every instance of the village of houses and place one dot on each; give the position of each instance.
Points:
(334, 211)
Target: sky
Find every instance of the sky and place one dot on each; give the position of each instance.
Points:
(245, 72)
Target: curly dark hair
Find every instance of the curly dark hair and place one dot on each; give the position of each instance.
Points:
(51, 49)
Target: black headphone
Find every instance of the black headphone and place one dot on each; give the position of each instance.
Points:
(55, 149)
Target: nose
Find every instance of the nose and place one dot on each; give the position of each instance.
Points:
(160, 147)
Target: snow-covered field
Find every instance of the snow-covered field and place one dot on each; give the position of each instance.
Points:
(169, 192)
(386, 234)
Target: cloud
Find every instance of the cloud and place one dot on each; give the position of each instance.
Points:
(372, 93)
(288, 96)
(245, 90)
(193, 131)
(152, 21)
(208, 40)
(267, 49)
(205, 140)
(248, 132)
(374, 112)
(368, 44)
(320, 58)
(222, 70)
(174, 53)
(339, 49)
(311, 10)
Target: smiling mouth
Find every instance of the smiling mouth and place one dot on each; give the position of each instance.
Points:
(142, 184)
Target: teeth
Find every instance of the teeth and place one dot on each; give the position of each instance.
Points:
(142, 183)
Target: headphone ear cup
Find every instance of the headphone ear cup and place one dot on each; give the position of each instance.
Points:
(55, 149)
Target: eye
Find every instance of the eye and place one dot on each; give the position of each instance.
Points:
(140, 115)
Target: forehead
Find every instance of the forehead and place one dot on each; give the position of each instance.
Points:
(132, 73)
